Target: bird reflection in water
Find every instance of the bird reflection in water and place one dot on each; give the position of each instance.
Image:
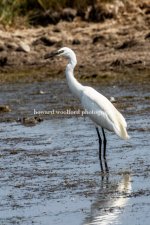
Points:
(110, 200)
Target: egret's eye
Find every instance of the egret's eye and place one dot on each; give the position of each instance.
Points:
(60, 52)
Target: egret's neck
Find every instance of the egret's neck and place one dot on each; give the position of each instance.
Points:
(75, 87)
(72, 61)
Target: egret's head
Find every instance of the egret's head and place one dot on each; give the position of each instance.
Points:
(66, 52)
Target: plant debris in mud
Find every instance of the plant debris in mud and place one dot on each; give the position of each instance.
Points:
(30, 121)
(5, 108)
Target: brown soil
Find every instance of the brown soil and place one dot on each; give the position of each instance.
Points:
(121, 43)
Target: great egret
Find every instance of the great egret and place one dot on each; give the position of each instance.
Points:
(101, 110)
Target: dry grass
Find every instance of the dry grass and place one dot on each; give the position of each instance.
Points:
(10, 10)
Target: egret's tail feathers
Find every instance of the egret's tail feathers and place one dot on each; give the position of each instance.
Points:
(126, 136)
(121, 132)
(120, 126)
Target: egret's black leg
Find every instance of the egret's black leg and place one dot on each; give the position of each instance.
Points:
(105, 141)
(100, 144)
(104, 152)
(100, 147)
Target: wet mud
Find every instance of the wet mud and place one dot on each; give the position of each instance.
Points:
(50, 172)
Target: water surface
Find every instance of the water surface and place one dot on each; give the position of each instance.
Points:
(50, 173)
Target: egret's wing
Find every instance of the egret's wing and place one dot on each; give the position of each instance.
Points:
(107, 115)
(98, 107)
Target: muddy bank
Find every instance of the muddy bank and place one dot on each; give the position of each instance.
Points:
(120, 43)
(19, 100)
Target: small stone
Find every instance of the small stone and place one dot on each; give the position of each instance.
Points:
(112, 99)
(41, 92)
(23, 47)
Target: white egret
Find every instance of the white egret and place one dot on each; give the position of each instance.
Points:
(103, 113)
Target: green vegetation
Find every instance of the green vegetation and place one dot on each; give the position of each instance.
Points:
(10, 10)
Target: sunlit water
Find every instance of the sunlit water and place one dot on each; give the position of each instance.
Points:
(50, 173)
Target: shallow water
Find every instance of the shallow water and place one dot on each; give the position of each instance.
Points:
(50, 173)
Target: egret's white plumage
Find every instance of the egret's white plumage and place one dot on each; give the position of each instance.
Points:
(107, 115)
(103, 113)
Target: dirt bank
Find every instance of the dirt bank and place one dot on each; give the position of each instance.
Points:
(121, 43)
